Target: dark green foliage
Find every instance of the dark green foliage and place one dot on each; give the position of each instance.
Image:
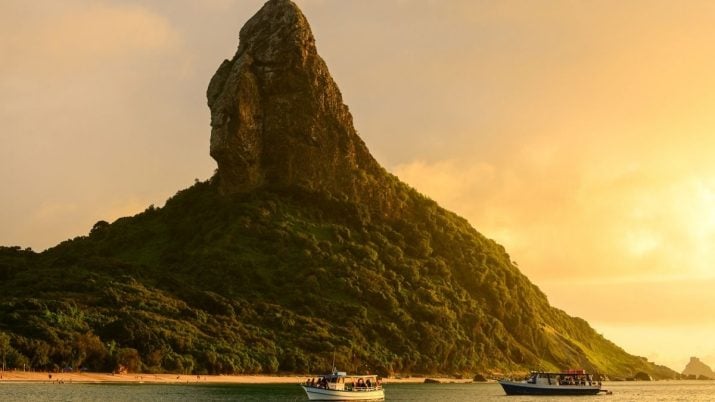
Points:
(279, 281)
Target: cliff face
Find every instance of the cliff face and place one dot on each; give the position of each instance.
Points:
(278, 118)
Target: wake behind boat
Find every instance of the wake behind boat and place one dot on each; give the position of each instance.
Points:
(339, 386)
(571, 382)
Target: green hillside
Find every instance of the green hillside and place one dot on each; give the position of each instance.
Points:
(280, 280)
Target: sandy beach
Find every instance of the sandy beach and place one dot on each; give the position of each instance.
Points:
(86, 377)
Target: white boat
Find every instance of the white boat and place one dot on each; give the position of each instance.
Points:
(339, 386)
(570, 382)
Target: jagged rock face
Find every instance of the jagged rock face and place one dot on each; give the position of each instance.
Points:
(277, 116)
(698, 368)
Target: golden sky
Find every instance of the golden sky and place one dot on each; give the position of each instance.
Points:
(579, 134)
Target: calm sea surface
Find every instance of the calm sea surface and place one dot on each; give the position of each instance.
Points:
(622, 391)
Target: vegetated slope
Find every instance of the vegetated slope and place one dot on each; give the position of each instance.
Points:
(300, 248)
(281, 280)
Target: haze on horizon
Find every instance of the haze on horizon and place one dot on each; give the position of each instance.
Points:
(578, 134)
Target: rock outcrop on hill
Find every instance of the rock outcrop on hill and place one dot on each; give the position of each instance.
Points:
(278, 118)
(698, 369)
(301, 252)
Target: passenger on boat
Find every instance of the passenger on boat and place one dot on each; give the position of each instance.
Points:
(368, 383)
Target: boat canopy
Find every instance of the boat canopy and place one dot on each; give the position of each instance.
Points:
(342, 376)
(567, 373)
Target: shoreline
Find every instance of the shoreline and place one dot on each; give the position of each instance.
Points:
(143, 378)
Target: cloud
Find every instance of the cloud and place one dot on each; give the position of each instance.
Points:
(627, 246)
(95, 114)
(668, 345)
(79, 35)
(560, 213)
(447, 179)
(660, 302)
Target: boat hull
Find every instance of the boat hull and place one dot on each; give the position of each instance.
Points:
(519, 388)
(322, 394)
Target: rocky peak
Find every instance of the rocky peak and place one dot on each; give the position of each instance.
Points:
(696, 367)
(277, 116)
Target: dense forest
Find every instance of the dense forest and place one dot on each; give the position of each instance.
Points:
(280, 280)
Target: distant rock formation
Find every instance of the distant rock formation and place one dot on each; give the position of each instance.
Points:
(278, 118)
(698, 369)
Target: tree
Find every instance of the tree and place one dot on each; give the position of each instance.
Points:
(130, 359)
(88, 348)
(98, 228)
(40, 357)
(4, 347)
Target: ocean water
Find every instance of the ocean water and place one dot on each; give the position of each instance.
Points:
(622, 391)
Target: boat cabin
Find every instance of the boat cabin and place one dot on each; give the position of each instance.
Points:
(569, 377)
(341, 381)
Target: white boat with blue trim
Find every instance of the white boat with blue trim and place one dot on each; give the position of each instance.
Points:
(339, 386)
